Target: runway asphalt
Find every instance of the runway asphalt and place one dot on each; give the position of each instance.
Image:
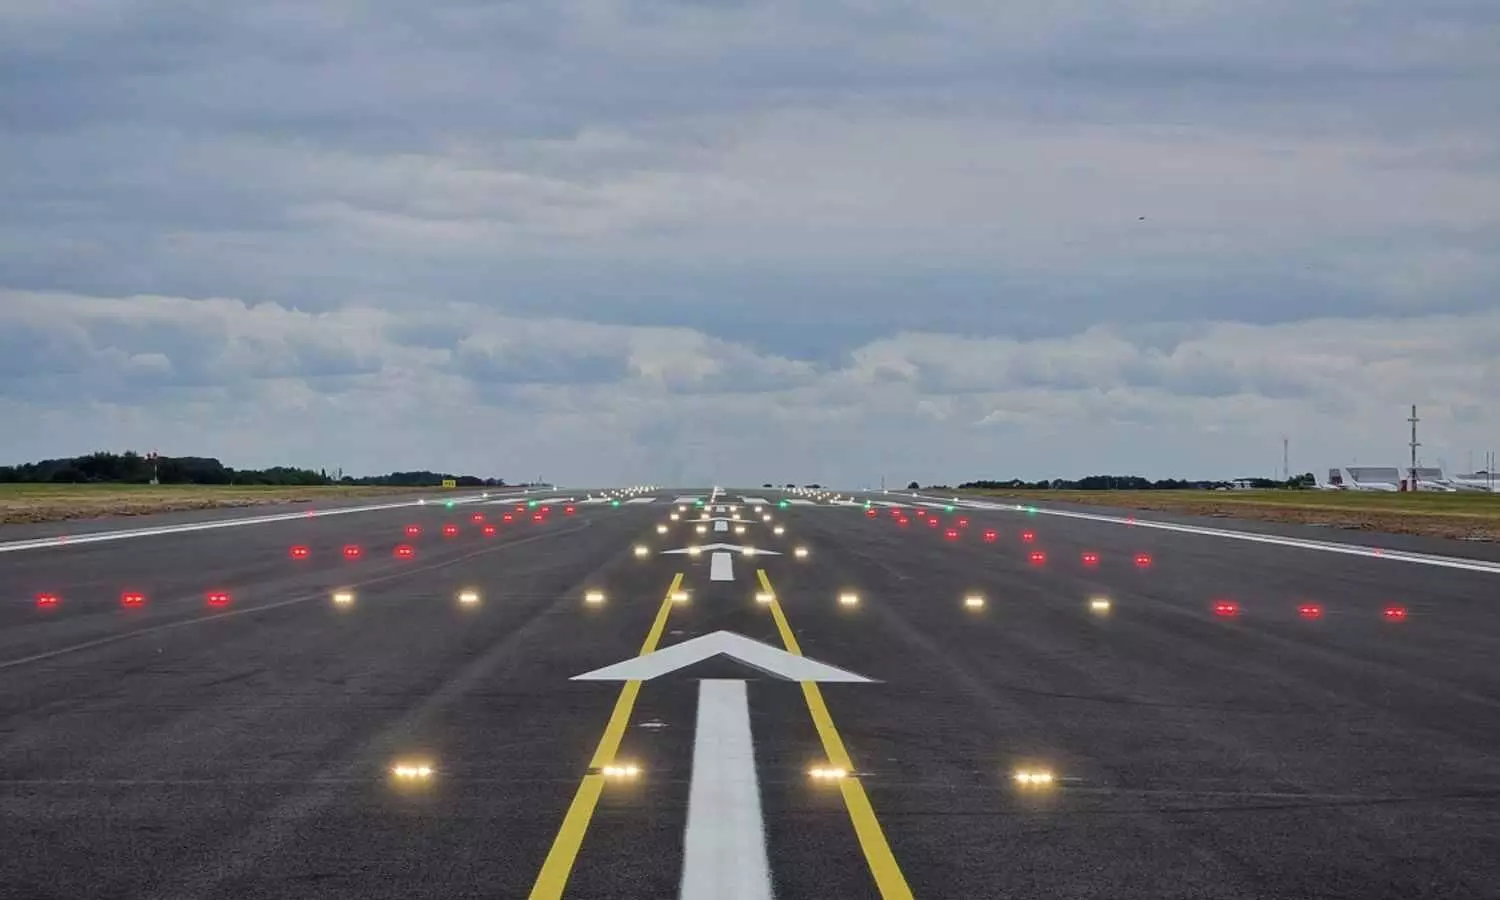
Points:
(245, 750)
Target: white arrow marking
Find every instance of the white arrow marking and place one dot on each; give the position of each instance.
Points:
(770, 660)
(721, 567)
(706, 548)
(724, 847)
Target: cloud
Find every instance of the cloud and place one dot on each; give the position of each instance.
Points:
(880, 234)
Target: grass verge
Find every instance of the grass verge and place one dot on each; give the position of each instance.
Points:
(1470, 516)
(31, 503)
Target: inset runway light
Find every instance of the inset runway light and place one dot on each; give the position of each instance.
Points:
(701, 529)
(593, 598)
(661, 529)
(681, 507)
(800, 553)
(756, 509)
(450, 531)
(508, 517)
(403, 551)
(46, 601)
(468, 596)
(641, 551)
(1394, 613)
(352, 551)
(680, 596)
(132, 598)
(973, 601)
(992, 535)
(489, 530)
(952, 534)
(827, 773)
(1100, 606)
(1037, 558)
(848, 598)
(218, 598)
(870, 514)
(343, 598)
(963, 523)
(747, 551)
(1090, 558)
(1033, 778)
(694, 551)
(765, 597)
(739, 529)
(413, 530)
(621, 771)
(1143, 560)
(1028, 537)
(676, 517)
(1310, 611)
(477, 518)
(1226, 608)
(412, 771)
(299, 552)
(779, 529)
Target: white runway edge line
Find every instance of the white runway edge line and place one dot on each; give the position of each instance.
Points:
(1425, 559)
(101, 536)
(724, 846)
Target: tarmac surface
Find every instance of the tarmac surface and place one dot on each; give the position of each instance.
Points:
(248, 748)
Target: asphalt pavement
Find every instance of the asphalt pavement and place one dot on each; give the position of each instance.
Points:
(240, 732)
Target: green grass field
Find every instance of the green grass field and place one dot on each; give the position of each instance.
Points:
(56, 502)
(1477, 505)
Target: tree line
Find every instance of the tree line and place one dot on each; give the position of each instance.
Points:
(1128, 483)
(133, 468)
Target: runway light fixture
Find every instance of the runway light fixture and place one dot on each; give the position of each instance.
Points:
(593, 598)
(1310, 611)
(661, 529)
(412, 771)
(747, 551)
(1033, 778)
(132, 599)
(46, 601)
(800, 553)
(343, 598)
(621, 771)
(468, 597)
(973, 601)
(827, 773)
(694, 551)
(680, 596)
(1099, 606)
(848, 598)
(765, 597)
(700, 529)
(641, 551)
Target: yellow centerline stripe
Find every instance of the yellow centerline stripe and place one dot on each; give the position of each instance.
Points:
(882, 862)
(553, 878)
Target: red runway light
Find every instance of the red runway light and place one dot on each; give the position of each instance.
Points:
(1143, 560)
(932, 522)
(546, 509)
(992, 535)
(896, 513)
(507, 518)
(871, 513)
(450, 530)
(1395, 613)
(567, 510)
(963, 523)
(413, 530)
(1028, 536)
(1310, 611)
(520, 507)
(404, 551)
(1227, 608)
(299, 552)
(921, 513)
(489, 531)
(1038, 557)
(903, 521)
(1091, 559)
(352, 551)
(46, 601)
(538, 517)
(952, 534)
(218, 598)
(477, 518)
(132, 598)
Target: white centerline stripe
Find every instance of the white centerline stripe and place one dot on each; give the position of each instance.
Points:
(721, 524)
(724, 846)
(721, 567)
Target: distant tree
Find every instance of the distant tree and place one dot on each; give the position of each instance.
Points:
(789, 485)
(913, 486)
(767, 485)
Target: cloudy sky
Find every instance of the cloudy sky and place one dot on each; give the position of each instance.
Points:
(615, 241)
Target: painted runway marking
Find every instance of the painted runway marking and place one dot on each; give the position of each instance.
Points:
(721, 525)
(1425, 559)
(73, 540)
(721, 567)
(641, 500)
(724, 846)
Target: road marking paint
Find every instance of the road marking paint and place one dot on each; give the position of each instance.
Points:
(724, 846)
(1426, 559)
(721, 567)
(763, 657)
(640, 500)
(72, 540)
(552, 880)
(882, 862)
(721, 525)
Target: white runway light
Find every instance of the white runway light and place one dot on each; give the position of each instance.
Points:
(974, 601)
(1099, 606)
(765, 597)
(661, 529)
(642, 550)
(848, 598)
(800, 553)
(468, 596)
(593, 598)
(343, 598)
